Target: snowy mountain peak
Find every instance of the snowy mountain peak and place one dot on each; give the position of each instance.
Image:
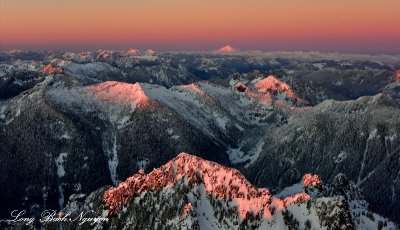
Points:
(120, 92)
(273, 85)
(191, 193)
(227, 48)
(133, 51)
(223, 183)
(51, 70)
(311, 180)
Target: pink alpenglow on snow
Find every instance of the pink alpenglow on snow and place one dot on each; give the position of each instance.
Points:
(194, 87)
(273, 85)
(263, 98)
(51, 70)
(227, 49)
(220, 182)
(311, 180)
(119, 92)
(186, 210)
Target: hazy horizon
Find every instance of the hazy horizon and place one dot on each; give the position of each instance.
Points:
(327, 26)
(183, 50)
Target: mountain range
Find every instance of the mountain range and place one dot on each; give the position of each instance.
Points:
(74, 124)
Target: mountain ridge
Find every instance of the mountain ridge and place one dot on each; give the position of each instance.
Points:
(206, 202)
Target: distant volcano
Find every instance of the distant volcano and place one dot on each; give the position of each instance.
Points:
(227, 48)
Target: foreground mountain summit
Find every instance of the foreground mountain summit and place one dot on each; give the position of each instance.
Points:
(191, 193)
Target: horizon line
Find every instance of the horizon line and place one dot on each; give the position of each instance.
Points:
(236, 51)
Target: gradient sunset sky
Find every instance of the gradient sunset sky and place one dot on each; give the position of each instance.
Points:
(324, 25)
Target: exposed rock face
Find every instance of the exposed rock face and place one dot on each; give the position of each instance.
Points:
(241, 87)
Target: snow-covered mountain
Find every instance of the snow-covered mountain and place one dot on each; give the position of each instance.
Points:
(191, 193)
(227, 49)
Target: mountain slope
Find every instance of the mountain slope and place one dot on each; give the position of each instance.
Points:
(191, 193)
(358, 138)
(73, 139)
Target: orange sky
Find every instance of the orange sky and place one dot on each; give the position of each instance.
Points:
(352, 25)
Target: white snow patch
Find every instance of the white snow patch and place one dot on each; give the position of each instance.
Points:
(372, 135)
(205, 212)
(239, 127)
(170, 132)
(122, 122)
(60, 173)
(291, 190)
(340, 157)
(66, 136)
(17, 113)
(60, 164)
(388, 141)
(235, 155)
(175, 137)
(319, 66)
(254, 153)
(2, 110)
(113, 161)
(142, 162)
(110, 150)
(221, 120)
